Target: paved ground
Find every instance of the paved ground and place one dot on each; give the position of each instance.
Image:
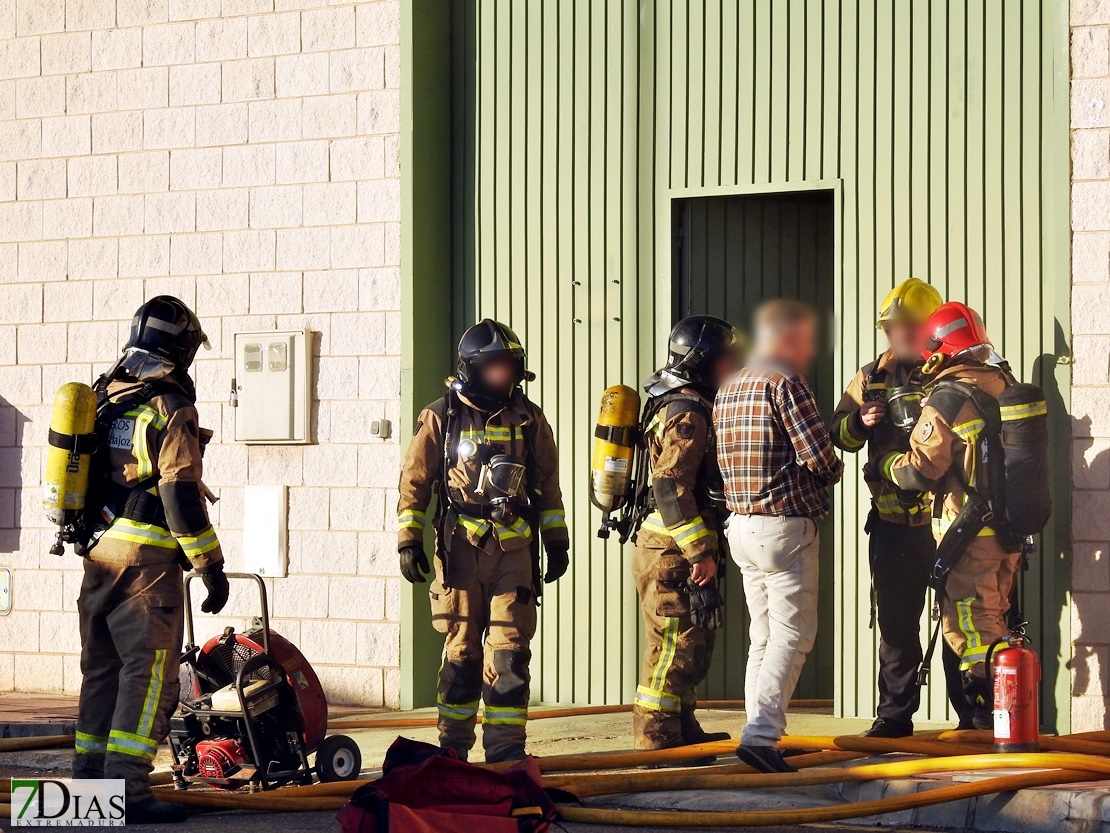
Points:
(1080, 809)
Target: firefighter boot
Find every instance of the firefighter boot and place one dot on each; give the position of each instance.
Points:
(692, 732)
(977, 692)
(654, 730)
(152, 811)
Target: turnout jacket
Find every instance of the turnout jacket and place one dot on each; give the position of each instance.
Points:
(510, 429)
(682, 453)
(944, 451)
(158, 441)
(909, 508)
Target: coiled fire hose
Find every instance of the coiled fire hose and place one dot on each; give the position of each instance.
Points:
(1053, 767)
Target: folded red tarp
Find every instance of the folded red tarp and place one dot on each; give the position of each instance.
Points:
(424, 789)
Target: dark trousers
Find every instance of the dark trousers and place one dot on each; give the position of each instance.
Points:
(901, 559)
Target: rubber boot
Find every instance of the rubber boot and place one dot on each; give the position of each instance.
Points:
(509, 753)
(692, 732)
(152, 811)
(980, 698)
(461, 752)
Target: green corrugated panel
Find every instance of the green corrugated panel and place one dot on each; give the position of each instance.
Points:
(941, 129)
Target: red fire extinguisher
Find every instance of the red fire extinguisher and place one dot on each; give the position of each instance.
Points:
(1017, 676)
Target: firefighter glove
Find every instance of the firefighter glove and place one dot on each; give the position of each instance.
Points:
(216, 583)
(414, 564)
(558, 559)
(706, 606)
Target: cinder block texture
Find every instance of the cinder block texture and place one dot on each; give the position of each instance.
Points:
(1090, 314)
(241, 154)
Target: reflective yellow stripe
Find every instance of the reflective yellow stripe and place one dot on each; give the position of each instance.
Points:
(891, 505)
(657, 700)
(941, 526)
(887, 464)
(491, 433)
(666, 656)
(690, 532)
(87, 744)
(480, 526)
(153, 694)
(847, 437)
(145, 416)
(411, 519)
(974, 650)
(475, 525)
(504, 716)
(656, 425)
(969, 430)
(124, 529)
(197, 545)
(1029, 409)
(125, 743)
(552, 519)
(456, 711)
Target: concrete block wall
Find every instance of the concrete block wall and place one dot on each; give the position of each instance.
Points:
(1090, 216)
(242, 155)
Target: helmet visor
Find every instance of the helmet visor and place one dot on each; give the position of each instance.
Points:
(144, 365)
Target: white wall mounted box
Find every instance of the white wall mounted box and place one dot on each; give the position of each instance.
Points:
(266, 530)
(272, 388)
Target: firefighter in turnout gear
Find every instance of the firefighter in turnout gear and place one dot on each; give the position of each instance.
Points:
(902, 551)
(679, 540)
(488, 454)
(944, 457)
(155, 522)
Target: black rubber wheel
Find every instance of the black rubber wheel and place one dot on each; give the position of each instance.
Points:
(338, 759)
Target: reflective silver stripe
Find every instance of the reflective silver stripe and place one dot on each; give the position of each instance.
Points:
(951, 327)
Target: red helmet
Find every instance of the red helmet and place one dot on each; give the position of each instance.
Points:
(951, 330)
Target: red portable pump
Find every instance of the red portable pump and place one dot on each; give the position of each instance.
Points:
(1016, 673)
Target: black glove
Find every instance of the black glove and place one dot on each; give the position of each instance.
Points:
(414, 564)
(558, 559)
(707, 608)
(216, 583)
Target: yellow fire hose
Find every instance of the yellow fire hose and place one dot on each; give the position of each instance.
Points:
(544, 714)
(36, 742)
(810, 815)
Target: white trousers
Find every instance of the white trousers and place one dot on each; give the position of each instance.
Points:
(777, 557)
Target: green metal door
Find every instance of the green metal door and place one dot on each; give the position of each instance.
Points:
(731, 253)
(578, 126)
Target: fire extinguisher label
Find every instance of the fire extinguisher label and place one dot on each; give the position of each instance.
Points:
(1001, 724)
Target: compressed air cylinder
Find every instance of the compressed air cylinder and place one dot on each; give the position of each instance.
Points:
(70, 452)
(614, 448)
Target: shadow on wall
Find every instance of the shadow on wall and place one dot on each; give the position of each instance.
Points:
(14, 426)
(1090, 657)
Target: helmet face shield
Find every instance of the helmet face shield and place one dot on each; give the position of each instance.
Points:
(143, 365)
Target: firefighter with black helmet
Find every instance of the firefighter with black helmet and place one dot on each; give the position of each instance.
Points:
(679, 539)
(873, 412)
(488, 454)
(154, 523)
(945, 458)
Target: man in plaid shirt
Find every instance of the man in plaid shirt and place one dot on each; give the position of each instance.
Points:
(778, 462)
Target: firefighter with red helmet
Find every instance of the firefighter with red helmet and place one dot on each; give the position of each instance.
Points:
(155, 522)
(876, 413)
(488, 454)
(944, 457)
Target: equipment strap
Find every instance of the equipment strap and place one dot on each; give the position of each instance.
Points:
(619, 434)
(77, 443)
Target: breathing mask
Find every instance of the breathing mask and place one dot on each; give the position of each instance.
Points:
(904, 406)
(501, 482)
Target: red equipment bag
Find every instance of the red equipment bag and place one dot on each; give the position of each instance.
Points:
(425, 789)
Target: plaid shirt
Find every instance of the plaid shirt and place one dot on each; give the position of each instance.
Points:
(775, 452)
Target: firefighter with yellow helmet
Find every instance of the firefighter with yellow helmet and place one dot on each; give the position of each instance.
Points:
(149, 520)
(679, 535)
(877, 411)
(488, 454)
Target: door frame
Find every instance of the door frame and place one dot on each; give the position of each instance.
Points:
(666, 286)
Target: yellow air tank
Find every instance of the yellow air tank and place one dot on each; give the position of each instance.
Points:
(615, 441)
(69, 455)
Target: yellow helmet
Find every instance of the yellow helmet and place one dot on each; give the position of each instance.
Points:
(912, 300)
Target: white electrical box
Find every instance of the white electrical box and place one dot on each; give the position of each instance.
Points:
(266, 530)
(5, 591)
(272, 387)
